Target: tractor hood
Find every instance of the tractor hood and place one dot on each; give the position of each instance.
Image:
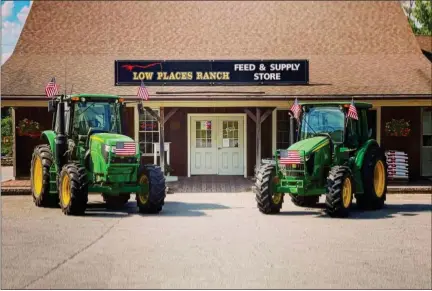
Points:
(111, 138)
(309, 145)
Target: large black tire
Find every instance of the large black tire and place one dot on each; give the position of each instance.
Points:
(42, 160)
(73, 189)
(117, 201)
(375, 194)
(339, 178)
(267, 201)
(152, 201)
(304, 201)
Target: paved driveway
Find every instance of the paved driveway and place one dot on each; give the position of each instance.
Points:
(210, 240)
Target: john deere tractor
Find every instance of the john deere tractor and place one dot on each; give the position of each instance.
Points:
(86, 151)
(332, 155)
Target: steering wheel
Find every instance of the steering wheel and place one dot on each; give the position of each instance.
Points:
(94, 123)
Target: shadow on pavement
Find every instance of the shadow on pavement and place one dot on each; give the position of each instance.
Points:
(389, 211)
(173, 208)
(98, 209)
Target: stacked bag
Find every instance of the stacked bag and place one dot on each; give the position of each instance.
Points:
(397, 165)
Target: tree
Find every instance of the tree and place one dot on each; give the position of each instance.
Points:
(420, 16)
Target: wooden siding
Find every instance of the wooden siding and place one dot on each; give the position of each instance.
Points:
(410, 144)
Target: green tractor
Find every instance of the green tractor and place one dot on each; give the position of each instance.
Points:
(86, 151)
(333, 156)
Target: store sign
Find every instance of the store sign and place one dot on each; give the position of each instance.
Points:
(204, 73)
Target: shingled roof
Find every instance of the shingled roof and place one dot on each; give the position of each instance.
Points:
(425, 42)
(354, 47)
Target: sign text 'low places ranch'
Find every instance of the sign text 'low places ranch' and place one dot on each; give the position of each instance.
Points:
(212, 72)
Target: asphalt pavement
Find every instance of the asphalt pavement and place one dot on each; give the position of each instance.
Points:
(216, 240)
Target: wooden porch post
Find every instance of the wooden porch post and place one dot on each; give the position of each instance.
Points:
(161, 120)
(161, 139)
(14, 145)
(258, 119)
(258, 139)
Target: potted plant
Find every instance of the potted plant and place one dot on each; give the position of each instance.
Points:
(168, 170)
(397, 127)
(29, 128)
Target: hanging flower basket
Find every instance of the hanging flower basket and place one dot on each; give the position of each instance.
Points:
(29, 128)
(397, 127)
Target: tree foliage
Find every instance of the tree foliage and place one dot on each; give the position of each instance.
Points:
(422, 12)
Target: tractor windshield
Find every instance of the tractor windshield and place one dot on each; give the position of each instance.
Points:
(323, 120)
(104, 116)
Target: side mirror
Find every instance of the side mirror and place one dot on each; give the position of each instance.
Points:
(52, 106)
(369, 132)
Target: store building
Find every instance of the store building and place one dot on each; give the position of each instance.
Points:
(343, 50)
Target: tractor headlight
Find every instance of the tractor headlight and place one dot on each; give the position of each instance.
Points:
(110, 148)
(106, 149)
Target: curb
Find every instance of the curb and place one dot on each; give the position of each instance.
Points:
(171, 190)
(403, 189)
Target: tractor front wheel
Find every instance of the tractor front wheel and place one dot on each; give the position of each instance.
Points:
(73, 189)
(375, 179)
(340, 191)
(153, 200)
(304, 201)
(268, 202)
(40, 177)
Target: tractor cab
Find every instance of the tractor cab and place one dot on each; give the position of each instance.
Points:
(330, 120)
(87, 114)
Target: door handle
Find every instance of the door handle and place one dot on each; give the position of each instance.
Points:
(219, 148)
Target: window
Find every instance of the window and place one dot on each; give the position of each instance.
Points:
(325, 120)
(282, 129)
(101, 116)
(230, 134)
(148, 128)
(203, 137)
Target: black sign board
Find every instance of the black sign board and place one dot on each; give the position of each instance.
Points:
(204, 73)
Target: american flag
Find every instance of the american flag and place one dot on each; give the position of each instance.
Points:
(51, 89)
(125, 149)
(142, 91)
(296, 109)
(352, 111)
(289, 157)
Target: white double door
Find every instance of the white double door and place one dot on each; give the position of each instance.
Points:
(217, 145)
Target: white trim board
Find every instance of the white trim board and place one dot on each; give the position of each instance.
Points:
(190, 115)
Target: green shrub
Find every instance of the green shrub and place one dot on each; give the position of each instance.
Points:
(6, 130)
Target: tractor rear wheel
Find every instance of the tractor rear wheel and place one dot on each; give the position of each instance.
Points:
(267, 201)
(73, 189)
(304, 201)
(340, 190)
(375, 179)
(40, 177)
(154, 199)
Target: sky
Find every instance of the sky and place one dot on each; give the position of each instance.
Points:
(14, 15)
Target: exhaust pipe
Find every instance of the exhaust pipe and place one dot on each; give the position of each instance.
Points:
(60, 139)
(293, 121)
